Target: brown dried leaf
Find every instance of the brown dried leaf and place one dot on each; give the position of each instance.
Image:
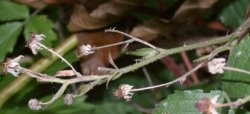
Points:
(149, 30)
(100, 58)
(190, 9)
(65, 73)
(38, 4)
(61, 1)
(103, 15)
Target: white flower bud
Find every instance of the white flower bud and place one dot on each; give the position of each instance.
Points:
(12, 66)
(124, 91)
(68, 99)
(85, 50)
(34, 104)
(32, 44)
(216, 65)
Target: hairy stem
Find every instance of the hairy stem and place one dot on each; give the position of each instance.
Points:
(56, 54)
(58, 94)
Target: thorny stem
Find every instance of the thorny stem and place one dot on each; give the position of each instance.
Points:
(214, 53)
(132, 37)
(56, 54)
(167, 52)
(172, 82)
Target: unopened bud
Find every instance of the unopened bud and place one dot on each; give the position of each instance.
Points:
(68, 99)
(34, 104)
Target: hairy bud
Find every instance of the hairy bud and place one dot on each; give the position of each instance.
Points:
(34, 104)
(68, 99)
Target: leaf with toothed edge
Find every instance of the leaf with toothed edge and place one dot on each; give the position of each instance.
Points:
(237, 84)
(40, 24)
(183, 102)
(12, 11)
(9, 33)
(234, 14)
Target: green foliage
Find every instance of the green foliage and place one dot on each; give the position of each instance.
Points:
(40, 25)
(9, 33)
(12, 11)
(143, 52)
(234, 14)
(182, 102)
(237, 84)
(114, 108)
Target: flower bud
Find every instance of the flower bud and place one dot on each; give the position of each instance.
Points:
(68, 99)
(34, 104)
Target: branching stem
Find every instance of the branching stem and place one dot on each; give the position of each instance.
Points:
(56, 54)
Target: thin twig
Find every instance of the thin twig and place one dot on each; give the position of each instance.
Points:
(114, 44)
(56, 54)
(147, 75)
(132, 37)
(236, 70)
(172, 82)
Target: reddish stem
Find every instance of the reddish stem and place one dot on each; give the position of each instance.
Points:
(189, 66)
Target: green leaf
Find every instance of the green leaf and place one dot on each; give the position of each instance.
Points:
(41, 25)
(12, 11)
(234, 14)
(9, 33)
(144, 52)
(183, 102)
(115, 108)
(237, 84)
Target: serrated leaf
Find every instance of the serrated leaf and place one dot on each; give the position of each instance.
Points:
(144, 52)
(237, 84)
(234, 14)
(183, 102)
(41, 25)
(8, 36)
(12, 11)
